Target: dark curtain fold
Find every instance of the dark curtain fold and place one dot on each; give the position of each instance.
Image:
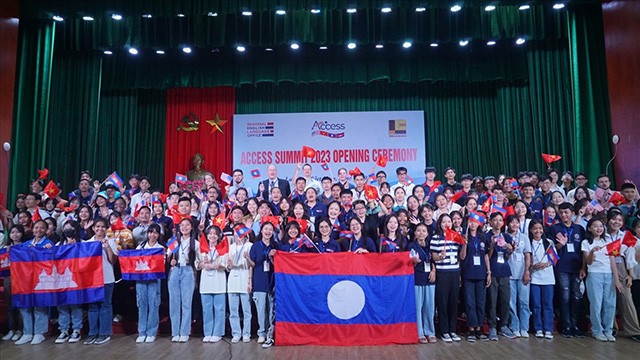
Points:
(31, 106)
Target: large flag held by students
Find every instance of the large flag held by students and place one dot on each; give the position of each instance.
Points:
(345, 299)
(63, 275)
(142, 264)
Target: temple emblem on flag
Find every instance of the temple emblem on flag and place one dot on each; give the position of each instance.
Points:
(142, 266)
(5, 263)
(55, 281)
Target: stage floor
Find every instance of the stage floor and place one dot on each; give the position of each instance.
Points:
(124, 347)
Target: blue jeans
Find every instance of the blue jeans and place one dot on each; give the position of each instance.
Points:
(70, 315)
(35, 320)
(519, 307)
(148, 301)
(265, 308)
(602, 299)
(425, 309)
(475, 295)
(570, 296)
(101, 314)
(542, 303)
(234, 314)
(181, 284)
(214, 308)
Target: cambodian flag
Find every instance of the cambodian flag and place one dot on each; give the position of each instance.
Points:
(345, 299)
(62, 275)
(552, 254)
(142, 264)
(4, 263)
(115, 179)
(172, 245)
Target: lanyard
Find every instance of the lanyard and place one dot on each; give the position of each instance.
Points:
(475, 244)
(523, 226)
(426, 256)
(569, 233)
(266, 250)
(356, 243)
(535, 251)
(239, 252)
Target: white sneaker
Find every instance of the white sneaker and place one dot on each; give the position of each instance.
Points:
(8, 336)
(62, 338)
(215, 339)
(150, 339)
(117, 318)
(140, 339)
(539, 334)
(75, 336)
(17, 335)
(37, 339)
(517, 333)
(235, 339)
(268, 343)
(548, 335)
(206, 339)
(524, 334)
(25, 339)
(184, 339)
(175, 339)
(246, 338)
(261, 339)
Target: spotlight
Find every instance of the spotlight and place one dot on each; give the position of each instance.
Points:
(491, 43)
(524, 7)
(456, 8)
(268, 49)
(421, 9)
(489, 8)
(407, 44)
(180, 15)
(295, 46)
(323, 48)
(133, 51)
(246, 13)
(434, 45)
(558, 6)
(57, 18)
(212, 14)
(116, 16)
(281, 12)
(379, 46)
(108, 52)
(351, 45)
(87, 18)
(147, 16)
(315, 11)
(464, 42)
(351, 11)
(160, 52)
(385, 10)
(186, 50)
(241, 48)
(520, 41)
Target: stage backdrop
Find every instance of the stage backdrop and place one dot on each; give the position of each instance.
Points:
(340, 139)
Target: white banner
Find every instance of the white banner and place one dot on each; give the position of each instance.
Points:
(340, 139)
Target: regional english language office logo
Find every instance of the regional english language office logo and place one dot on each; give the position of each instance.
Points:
(330, 130)
(398, 128)
(261, 129)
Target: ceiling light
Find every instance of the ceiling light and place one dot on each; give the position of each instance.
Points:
(246, 13)
(180, 15)
(295, 46)
(351, 45)
(315, 11)
(351, 11)
(211, 13)
(379, 46)
(406, 44)
(133, 51)
(434, 45)
(421, 9)
(241, 48)
(520, 41)
(116, 16)
(160, 52)
(489, 8)
(87, 18)
(323, 48)
(268, 49)
(57, 18)
(186, 50)
(147, 16)
(385, 10)
(464, 42)
(558, 6)
(524, 7)
(456, 8)
(108, 52)
(491, 42)
(281, 12)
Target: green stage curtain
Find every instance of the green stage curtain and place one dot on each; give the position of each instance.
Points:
(31, 107)
(592, 117)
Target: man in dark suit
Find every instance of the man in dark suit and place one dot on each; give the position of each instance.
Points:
(273, 181)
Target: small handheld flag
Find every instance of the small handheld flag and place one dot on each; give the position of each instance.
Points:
(115, 179)
(5, 263)
(308, 152)
(477, 217)
(255, 173)
(42, 174)
(453, 236)
(596, 205)
(548, 158)
(617, 199)
(613, 248)
(172, 245)
(347, 234)
(325, 166)
(629, 240)
(52, 190)
(204, 244)
(499, 209)
(552, 255)
(226, 178)
(500, 241)
(382, 161)
(220, 221)
(241, 230)
(355, 171)
(36, 215)
(181, 178)
(274, 220)
(223, 246)
(371, 192)
(390, 244)
(301, 222)
(457, 196)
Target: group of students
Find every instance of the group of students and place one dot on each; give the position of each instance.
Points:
(485, 244)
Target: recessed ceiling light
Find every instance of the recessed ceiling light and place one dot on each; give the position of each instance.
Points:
(186, 50)
(379, 46)
(116, 16)
(295, 46)
(489, 8)
(180, 15)
(160, 52)
(524, 7)
(147, 16)
(247, 13)
(241, 48)
(57, 18)
(108, 52)
(323, 48)
(133, 51)
(464, 42)
(281, 12)
(385, 10)
(211, 13)
(87, 18)
(456, 8)
(351, 11)
(421, 9)
(520, 41)
(491, 42)
(315, 11)
(406, 44)
(558, 6)
(351, 45)
(268, 49)
(434, 45)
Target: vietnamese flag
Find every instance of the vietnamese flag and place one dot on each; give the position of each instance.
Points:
(486, 206)
(371, 192)
(616, 199)
(355, 171)
(223, 246)
(275, 220)
(629, 240)
(454, 236)
(308, 152)
(204, 244)
(301, 222)
(220, 220)
(613, 248)
(118, 225)
(382, 161)
(42, 174)
(36, 215)
(550, 158)
(51, 189)
(176, 216)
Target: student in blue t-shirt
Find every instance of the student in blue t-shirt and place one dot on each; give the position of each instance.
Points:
(476, 276)
(568, 237)
(425, 290)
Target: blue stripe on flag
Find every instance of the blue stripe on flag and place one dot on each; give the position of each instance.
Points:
(54, 298)
(80, 250)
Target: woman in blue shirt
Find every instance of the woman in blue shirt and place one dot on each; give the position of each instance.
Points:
(324, 242)
(425, 290)
(358, 243)
(392, 239)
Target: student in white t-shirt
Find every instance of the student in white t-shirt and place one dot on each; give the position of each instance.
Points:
(148, 293)
(238, 289)
(542, 281)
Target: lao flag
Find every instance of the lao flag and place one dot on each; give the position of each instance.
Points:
(115, 179)
(552, 254)
(477, 217)
(325, 166)
(617, 199)
(142, 264)
(4, 263)
(499, 209)
(345, 299)
(62, 275)
(180, 178)
(255, 173)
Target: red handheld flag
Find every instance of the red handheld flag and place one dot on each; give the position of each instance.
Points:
(617, 199)
(355, 171)
(454, 236)
(36, 216)
(223, 246)
(204, 244)
(382, 161)
(308, 152)
(548, 158)
(301, 222)
(118, 225)
(42, 174)
(371, 192)
(176, 216)
(629, 240)
(52, 190)
(457, 196)
(613, 248)
(275, 220)
(220, 220)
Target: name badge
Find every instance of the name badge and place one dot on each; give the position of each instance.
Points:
(265, 266)
(476, 260)
(426, 267)
(500, 258)
(452, 259)
(570, 247)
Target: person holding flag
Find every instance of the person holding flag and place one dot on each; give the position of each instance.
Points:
(542, 281)
(355, 241)
(391, 239)
(520, 263)
(425, 290)
(148, 292)
(324, 242)
(69, 314)
(602, 280)
(212, 261)
(16, 237)
(238, 288)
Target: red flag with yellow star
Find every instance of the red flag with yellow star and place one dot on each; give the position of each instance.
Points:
(308, 152)
(613, 248)
(548, 158)
(371, 192)
(52, 190)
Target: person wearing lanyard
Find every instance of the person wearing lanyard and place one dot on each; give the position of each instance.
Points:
(425, 291)
(261, 281)
(181, 282)
(148, 293)
(625, 263)
(500, 249)
(358, 243)
(213, 289)
(392, 239)
(542, 281)
(447, 255)
(568, 238)
(35, 320)
(238, 289)
(324, 242)
(476, 276)
(519, 262)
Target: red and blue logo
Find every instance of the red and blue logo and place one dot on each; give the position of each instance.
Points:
(330, 130)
